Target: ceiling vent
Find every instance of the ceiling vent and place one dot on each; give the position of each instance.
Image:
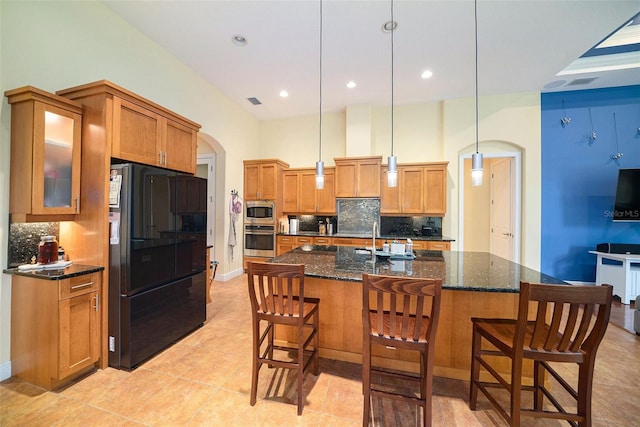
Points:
(254, 101)
(583, 81)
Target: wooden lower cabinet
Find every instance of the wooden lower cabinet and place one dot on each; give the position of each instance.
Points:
(429, 245)
(349, 241)
(55, 332)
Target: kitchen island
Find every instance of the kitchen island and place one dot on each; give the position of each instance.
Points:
(475, 284)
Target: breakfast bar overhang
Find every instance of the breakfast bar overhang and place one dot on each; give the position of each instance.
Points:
(475, 284)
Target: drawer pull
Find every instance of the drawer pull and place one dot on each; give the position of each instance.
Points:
(83, 285)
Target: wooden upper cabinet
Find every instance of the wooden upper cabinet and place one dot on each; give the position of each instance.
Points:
(435, 180)
(422, 189)
(179, 145)
(45, 155)
(307, 192)
(136, 133)
(290, 185)
(300, 195)
(263, 179)
(143, 136)
(142, 131)
(389, 196)
(326, 198)
(357, 176)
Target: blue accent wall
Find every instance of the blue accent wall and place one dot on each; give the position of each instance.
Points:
(579, 175)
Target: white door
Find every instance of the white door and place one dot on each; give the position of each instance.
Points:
(501, 222)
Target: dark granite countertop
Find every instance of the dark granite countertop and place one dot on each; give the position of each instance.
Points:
(368, 236)
(475, 271)
(63, 273)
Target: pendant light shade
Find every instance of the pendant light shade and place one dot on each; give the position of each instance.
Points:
(476, 169)
(476, 158)
(392, 171)
(392, 161)
(320, 175)
(320, 163)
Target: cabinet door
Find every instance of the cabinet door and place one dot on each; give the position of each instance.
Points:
(285, 244)
(346, 179)
(251, 184)
(412, 190)
(325, 198)
(78, 344)
(369, 179)
(290, 184)
(389, 196)
(179, 147)
(137, 133)
(307, 192)
(439, 246)
(436, 190)
(56, 161)
(268, 179)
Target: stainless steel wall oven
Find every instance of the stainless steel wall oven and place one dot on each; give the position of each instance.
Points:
(260, 240)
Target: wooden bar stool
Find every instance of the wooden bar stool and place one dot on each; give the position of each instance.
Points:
(401, 313)
(277, 297)
(568, 327)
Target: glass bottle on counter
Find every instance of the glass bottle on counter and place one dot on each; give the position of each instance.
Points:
(47, 250)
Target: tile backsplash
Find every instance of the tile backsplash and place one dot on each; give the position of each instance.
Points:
(24, 240)
(357, 215)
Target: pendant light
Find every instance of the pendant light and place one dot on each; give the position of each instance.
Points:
(320, 163)
(392, 162)
(476, 158)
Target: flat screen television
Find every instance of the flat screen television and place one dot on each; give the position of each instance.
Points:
(627, 202)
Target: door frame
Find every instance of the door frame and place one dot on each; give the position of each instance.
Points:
(517, 198)
(209, 159)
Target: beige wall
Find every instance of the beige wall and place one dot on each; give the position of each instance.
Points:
(63, 44)
(434, 132)
(55, 45)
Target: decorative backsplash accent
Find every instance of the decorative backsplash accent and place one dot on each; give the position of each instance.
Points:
(357, 215)
(410, 226)
(24, 240)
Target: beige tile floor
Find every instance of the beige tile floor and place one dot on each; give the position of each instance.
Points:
(205, 379)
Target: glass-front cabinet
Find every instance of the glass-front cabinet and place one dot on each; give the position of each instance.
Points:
(45, 154)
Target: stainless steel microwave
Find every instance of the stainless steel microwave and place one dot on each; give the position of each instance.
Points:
(260, 212)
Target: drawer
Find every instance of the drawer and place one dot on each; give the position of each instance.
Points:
(78, 285)
(439, 246)
(347, 241)
(285, 239)
(322, 241)
(304, 240)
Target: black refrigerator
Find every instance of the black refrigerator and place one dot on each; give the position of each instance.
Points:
(156, 286)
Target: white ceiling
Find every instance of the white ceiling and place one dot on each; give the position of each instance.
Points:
(522, 45)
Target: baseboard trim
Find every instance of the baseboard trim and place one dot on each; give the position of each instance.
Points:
(230, 275)
(5, 371)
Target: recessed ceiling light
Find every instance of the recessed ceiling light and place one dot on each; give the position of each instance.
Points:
(284, 93)
(389, 26)
(239, 40)
(351, 84)
(426, 74)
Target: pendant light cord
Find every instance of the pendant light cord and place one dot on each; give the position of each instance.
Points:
(475, 26)
(320, 108)
(393, 29)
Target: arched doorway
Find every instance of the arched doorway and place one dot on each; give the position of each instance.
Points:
(490, 214)
(211, 165)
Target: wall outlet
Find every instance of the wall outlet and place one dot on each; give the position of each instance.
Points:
(112, 343)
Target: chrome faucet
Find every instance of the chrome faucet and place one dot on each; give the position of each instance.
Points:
(373, 241)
